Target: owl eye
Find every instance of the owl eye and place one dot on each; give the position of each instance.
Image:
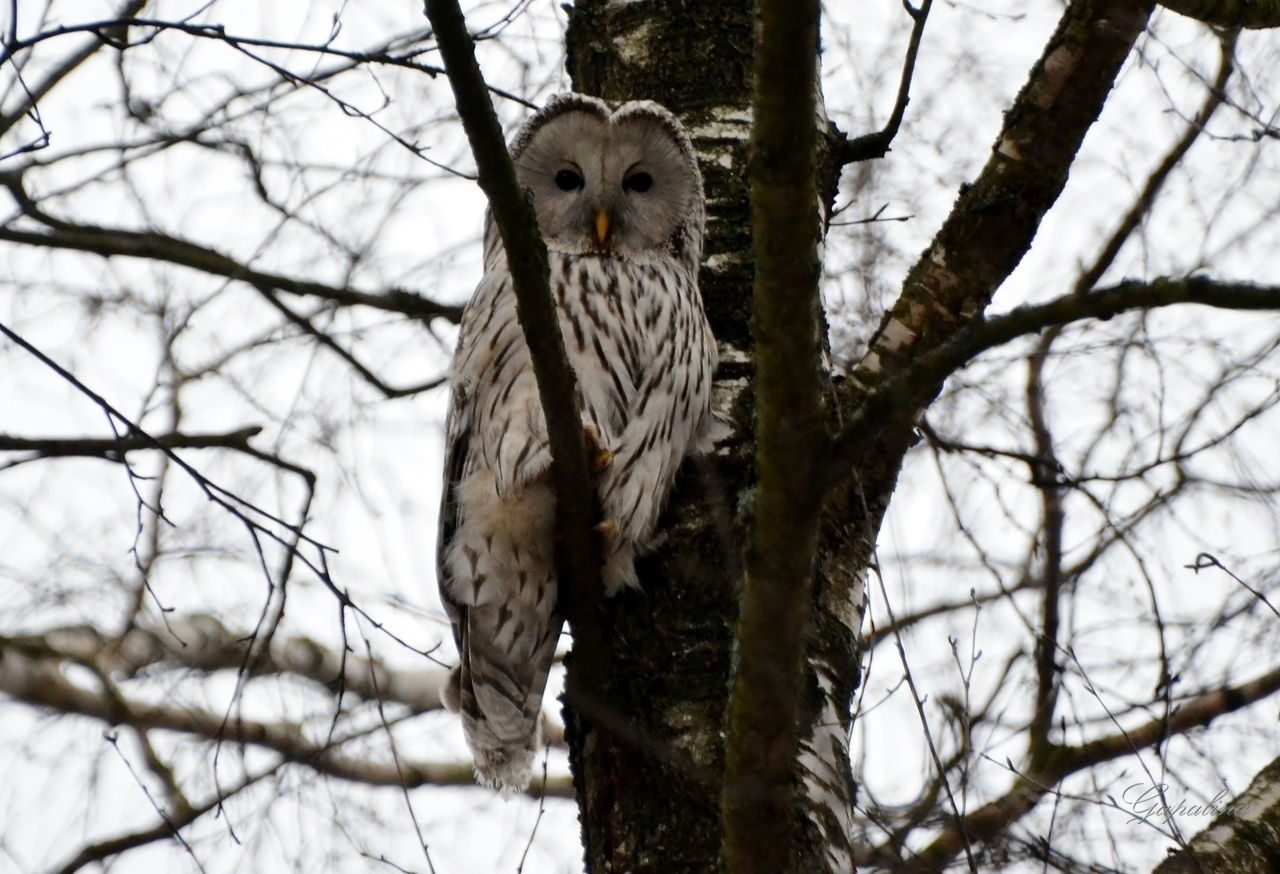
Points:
(567, 180)
(638, 182)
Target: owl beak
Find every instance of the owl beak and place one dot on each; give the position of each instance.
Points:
(602, 226)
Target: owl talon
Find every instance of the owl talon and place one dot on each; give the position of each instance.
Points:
(598, 458)
(601, 460)
(607, 528)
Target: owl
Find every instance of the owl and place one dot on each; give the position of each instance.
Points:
(618, 199)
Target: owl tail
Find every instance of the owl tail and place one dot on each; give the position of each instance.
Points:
(498, 690)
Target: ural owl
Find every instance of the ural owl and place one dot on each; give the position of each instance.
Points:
(618, 198)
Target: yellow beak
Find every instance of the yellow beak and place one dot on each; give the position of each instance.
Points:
(602, 226)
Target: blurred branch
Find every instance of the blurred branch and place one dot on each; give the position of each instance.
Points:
(111, 447)
(901, 396)
(41, 683)
(876, 145)
(156, 246)
(1045, 476)
(994, 819)
(37, 92)
(172, 822)
(1251, 14)
(201, 642)
(328, 342)
(1216, 97)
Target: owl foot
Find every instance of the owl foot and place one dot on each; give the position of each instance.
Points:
(598, 457)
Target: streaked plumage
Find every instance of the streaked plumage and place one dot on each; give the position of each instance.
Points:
(619, 202)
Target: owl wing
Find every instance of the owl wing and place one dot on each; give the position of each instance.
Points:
(495, 561)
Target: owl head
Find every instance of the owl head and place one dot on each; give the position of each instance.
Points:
(622, 182)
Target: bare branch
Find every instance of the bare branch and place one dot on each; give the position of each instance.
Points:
(112, 447)
(903, 395)
(57, 74)
(876, 145)
(40, 682)
(578, 546)
(995, 219)
(166, 829)
(156, 246)
(328, 342)
(995, 817)
(1216, 97)
(202, 642)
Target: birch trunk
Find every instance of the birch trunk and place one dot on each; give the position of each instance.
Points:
(649, 784)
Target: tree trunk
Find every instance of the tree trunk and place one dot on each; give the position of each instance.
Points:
(1243, 839)
(648, 783)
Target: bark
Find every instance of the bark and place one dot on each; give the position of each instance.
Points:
(1229, 13)
(1243, 839)
(653, 787)
(761, 821)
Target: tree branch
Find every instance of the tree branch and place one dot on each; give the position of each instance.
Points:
(876, 145)
(111, 447)
(1216, 97)
(58, 73)
(761, 820)
(155, 246)
(1249, 14)
(40, 682)
(201, 642)
(901, 396)
(995, 219)
(994, 818)
(323, 338)
(578, 546)
(168, 827)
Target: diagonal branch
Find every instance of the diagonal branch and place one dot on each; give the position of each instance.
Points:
(898, 398)
(578, 548)
(169, 827)
(155, 246)
(1141, 208)
(111, 242)
(324, 339)
(37, 92)
(995, 219)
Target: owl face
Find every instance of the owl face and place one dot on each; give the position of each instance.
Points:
(618, 182)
